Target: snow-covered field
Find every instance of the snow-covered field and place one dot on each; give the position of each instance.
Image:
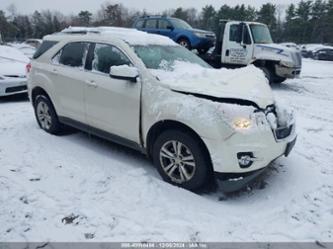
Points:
(77, 188)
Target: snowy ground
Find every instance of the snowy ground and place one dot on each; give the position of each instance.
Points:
(77, 188)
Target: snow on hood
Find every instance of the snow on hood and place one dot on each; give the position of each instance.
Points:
(248, 83)
(12, 61)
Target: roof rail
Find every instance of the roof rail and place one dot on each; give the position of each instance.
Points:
(80, 30)
(154, 16)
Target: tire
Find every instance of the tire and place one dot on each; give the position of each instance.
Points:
(46, 115)
(269, 74)
(279, 80)
(194, 172)
(184, 42)
(203, 50)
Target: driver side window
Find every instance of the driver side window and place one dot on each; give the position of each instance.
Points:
(106, 56)
(235, 33)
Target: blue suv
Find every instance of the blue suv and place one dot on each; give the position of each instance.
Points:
(178, 30)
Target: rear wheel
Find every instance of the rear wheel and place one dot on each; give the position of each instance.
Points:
(181, 160)
(46, 115)
(184, 42)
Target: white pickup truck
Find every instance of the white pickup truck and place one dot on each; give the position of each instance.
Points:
(242, 43)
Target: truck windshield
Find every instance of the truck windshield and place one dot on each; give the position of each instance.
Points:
(180, 24)
(261, 33)
(164, 57)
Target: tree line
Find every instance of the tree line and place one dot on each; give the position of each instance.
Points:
(308, 21)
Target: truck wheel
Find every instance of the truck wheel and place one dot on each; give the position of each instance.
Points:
(269, 74)
(184, 42)
(181, 160)
(279, 80)
(46, 115)
(203, 50)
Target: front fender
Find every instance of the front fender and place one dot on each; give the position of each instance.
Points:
(202, 116)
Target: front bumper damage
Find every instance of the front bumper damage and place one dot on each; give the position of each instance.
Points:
(271, 139)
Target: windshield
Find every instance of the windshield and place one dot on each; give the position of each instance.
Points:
(180, 24)
(164, 57)
(261, 33)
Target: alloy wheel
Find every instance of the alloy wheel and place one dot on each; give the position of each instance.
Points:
(44, 116)
(177, 161)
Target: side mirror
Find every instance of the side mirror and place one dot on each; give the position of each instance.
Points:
(124, 72)
(170, 27)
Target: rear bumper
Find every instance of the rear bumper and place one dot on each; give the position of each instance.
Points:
(13, 86)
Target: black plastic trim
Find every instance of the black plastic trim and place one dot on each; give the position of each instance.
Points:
(103, 134)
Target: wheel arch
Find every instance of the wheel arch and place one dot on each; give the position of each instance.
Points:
(38, 91)
(161, 126)
(265, 63)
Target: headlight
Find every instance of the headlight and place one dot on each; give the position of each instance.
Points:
(286, 63)
(200, 34)
(242, 123)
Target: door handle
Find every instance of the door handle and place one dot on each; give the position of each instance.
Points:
(227, 52)
(91, 83)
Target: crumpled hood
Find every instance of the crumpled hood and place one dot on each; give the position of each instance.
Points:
(248, 83)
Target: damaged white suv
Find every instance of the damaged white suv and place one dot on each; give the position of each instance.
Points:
(147, 92)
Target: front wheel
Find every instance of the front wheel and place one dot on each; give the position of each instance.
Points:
(181, 160)
(269, 74)
(279, 80)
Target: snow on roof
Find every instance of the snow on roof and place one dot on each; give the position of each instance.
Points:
(316, 47)
(131, 36)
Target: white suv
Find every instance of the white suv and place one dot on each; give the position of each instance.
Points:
(147, 92)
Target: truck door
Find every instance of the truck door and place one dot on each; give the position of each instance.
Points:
(237, 46)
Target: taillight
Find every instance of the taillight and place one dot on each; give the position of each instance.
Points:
(28, 68)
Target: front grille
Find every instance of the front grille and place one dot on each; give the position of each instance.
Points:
(16, 89)
(297, 58)
(283, 132)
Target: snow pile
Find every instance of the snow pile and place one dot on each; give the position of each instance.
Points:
(131, 36)
(248, 83)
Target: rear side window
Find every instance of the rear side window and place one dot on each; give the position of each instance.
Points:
(151, 24)
(73, 55)
(139, 24)
(106, 56)
(46, 45)
(163, 24)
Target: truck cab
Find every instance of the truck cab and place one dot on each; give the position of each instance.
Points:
(242, 43)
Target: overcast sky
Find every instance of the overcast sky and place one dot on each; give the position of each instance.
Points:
(74, 6)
